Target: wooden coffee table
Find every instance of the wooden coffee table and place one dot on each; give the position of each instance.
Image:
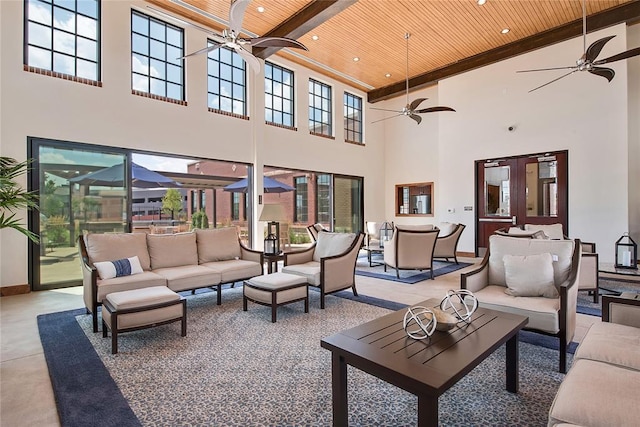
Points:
(422, 367)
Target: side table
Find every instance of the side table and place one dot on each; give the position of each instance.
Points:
(272, 261)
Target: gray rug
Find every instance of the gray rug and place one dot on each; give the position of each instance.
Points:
(406, 276)
(236, 368)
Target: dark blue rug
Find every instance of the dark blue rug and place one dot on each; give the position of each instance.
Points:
(406, 276)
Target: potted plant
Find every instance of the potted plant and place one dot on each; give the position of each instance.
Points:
(13, 197)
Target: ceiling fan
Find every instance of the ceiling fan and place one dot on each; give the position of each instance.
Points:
(410, 108)
(587, 61)
(230, 37)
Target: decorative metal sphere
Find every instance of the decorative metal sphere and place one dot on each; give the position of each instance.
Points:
(423, 318)
(464, 304)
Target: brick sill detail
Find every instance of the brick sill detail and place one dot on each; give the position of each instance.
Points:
(63, 76)
(158, 97)
(354, 142)
(277, 125)
(227, 113)
(322, 135)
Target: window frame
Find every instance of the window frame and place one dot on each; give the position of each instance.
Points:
(298, 214)
(313, 97)
(359, 133)
(232, 83)
(269, 106)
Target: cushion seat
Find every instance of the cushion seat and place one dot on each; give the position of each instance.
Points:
(611, 343)
(310, 270)
(234, 270)
(125, 283)
(188, 277)
(542, 312)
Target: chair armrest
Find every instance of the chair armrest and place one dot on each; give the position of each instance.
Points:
(89, 277)
(624, 309)
(299, 257)
(588, 247)
(569, 295)
(476, 279)
(251, 255)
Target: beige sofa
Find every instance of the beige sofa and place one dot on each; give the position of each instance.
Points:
(603, 384)
(182, 261)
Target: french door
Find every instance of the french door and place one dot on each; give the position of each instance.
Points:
(529, 189)
(348, 206)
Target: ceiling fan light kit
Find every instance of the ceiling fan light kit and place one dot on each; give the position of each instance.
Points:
(410, 109)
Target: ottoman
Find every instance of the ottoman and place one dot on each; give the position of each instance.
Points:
(274, 290)
(141, 308)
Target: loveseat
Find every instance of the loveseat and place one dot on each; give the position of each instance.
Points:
(603, 384)
(182, 261)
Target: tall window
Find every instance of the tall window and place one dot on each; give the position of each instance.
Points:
(352, 118)
(278, 89)
(302, 199)
(155, 49)
(235, 206)
(227, 81)
(319, 108)
(63, 37)
(323, 191)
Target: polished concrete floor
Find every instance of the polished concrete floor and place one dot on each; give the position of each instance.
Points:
(26, 397)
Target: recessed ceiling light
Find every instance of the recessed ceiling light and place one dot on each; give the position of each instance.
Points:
(387, 75)
(481, 2)
(314, 37)
(356, 59)
(260, 9)
(505, 30)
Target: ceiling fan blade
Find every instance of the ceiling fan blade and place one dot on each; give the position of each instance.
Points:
(435, 109)
(385, 109)
(201, 51)
(547, 69)
(416, 117)
(607, 73)
(554, 80)
(276, 42)
(624, 55)
(595, 48)
(236, 15)
(251, 60)
(386, 118)
(414, 104)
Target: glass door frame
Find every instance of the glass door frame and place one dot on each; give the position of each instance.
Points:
(360, 220)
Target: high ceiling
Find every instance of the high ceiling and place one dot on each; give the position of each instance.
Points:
(447, 36)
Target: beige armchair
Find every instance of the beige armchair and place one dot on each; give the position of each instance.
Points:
(314, 229)
(411, 248)
(446, 246)
(507, 281)
(329, 264)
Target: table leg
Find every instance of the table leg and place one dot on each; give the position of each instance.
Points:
(369, 258)
(339, 390)
(427, 411)
(513, 362)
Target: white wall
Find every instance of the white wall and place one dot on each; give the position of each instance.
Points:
(582, 114)
(633, 64)
(42, 106)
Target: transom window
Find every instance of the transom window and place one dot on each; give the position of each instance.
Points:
(319, 108)
(278, 89)
(352, 118)
(155, 49)
(226, 83)
(302, 199)
(63, 36)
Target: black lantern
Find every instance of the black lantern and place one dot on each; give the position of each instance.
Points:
(386, 233)
(626, 252)
(271, 242)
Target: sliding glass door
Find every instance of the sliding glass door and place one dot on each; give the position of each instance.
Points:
(348, 207)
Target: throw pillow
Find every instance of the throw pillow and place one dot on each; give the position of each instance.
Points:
(530, 275)
(331, 244)
(118, 268)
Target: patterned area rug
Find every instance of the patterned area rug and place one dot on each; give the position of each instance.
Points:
(406, 276)
(237, 368)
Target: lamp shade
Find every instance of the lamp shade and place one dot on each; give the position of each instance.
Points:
(273, 212)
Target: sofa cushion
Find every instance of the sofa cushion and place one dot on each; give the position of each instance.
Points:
(235, 269)
(611, 343)
(542, 312)
(217, 244)
(553, 231)
(172, 250)
(561, 252)
(110, 247)
(188, 277)
(126, 283)
(118, 268)
(310, 270)
(529, 276)
(330, 244)
(597, 394)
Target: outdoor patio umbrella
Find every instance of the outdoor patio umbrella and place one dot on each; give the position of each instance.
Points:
(270, 186)
(113, 176)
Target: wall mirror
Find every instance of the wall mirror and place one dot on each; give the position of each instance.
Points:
(414, 199)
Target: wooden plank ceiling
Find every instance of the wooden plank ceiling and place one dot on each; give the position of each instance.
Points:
(443, 32)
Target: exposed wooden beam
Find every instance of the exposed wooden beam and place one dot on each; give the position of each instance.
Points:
(628, 12)
(303, 21)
